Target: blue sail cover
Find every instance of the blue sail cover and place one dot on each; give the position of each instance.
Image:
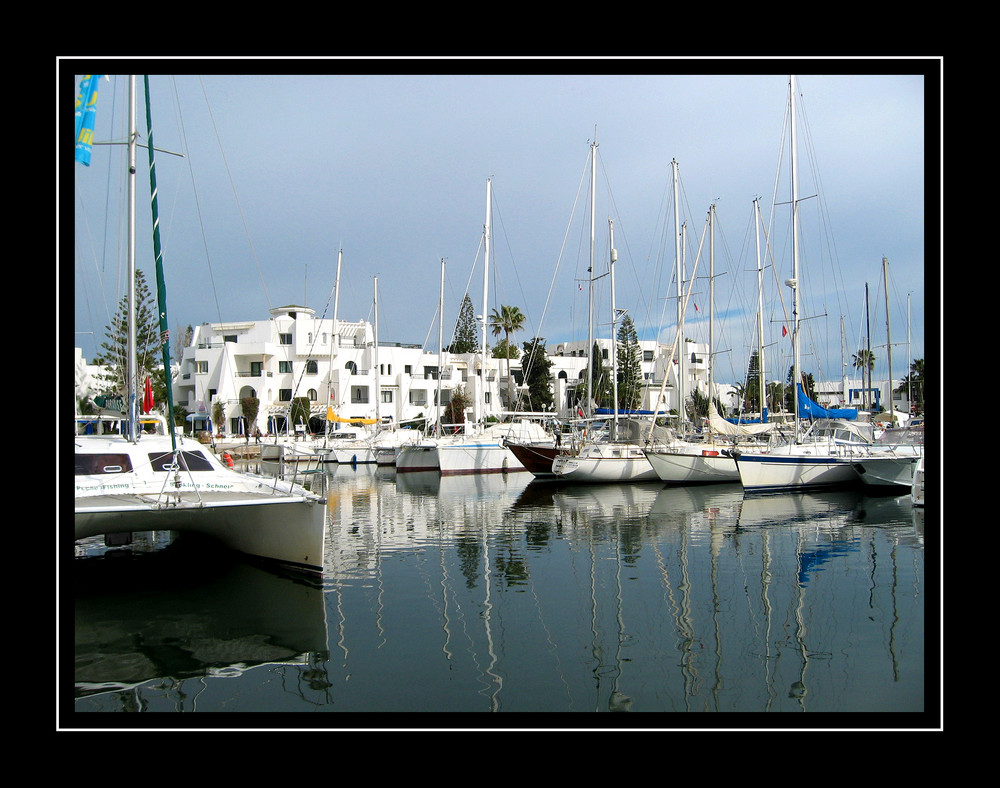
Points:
(810, 410)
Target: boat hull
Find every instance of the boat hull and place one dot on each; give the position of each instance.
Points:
(599, 463)
(887, 472)
(288, 530)
(485, 457)
(536, 458)
(693, 466)
(773, 472)
(126, 487)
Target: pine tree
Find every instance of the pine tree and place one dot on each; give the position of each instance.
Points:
(466, 338)
(537, 375)
(147, 341)
(629, 366)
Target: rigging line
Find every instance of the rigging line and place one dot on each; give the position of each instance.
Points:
(239, 207)
(197, 202)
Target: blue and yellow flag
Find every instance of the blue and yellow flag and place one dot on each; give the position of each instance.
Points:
(86, 113)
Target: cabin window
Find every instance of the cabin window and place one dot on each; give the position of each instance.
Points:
(186, 461)
(88, 464)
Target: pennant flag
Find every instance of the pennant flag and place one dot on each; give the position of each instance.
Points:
(147, 398)
(696, 308)
(784, 331)
(86, 113)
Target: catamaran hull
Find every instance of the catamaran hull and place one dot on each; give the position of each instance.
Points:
(693, 467)
(288, 530)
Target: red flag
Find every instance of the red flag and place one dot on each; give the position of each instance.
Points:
(147, 399)
(784, 331)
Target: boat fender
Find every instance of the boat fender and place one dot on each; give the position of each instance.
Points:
(228, 459)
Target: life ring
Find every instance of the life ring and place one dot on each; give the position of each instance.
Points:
(228, 459)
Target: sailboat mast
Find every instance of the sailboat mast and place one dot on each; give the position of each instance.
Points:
(590, 273)
(486, 293)
(132, 362)
(760, 311)
(711, 304)
(378, 372)
(440, 349)
(888, 336)
(795, 256)
(680, 306)
(614, 341)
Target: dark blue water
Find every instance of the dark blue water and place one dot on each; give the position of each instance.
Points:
(504, 594)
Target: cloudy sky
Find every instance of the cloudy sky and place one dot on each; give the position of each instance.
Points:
(389, 162)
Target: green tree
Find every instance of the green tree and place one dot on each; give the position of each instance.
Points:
(750, 392)
(147, 341)
(507, 320)
(913, 384)
(299, 412)
(537, 368)
(865, 361)
(454, 412)
(629, 366)
(600, 382)
(466, 338)
(251, 407)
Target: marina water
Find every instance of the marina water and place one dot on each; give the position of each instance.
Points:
(502, 593)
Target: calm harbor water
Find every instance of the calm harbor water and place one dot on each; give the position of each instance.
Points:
(500, 593)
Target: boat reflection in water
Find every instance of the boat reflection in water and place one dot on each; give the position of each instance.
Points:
(504, 593)
(152, 628)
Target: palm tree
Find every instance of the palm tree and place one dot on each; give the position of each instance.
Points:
(507, 320)
(865, 361)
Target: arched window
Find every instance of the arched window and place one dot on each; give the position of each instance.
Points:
(352, 367)
(313, 396)
(311, 367)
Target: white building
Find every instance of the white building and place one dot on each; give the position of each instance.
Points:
(296, 354)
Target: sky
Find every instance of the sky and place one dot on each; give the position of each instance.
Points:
(388, 162)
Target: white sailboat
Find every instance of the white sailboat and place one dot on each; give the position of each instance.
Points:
(709, 461)
(615, 458)
(824, 454)
(476, 448)
(134, 473)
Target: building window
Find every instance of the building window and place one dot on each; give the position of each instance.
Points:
(352, 367)
(647, 355)
(387, 397)
(418, 397)
(256, 368)
(313, 396)
(311, 367)
(202, 367)
(408, 369)
(229, 338)
(359, 395)
(284, 395)
(284, 366)
(284, 339)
